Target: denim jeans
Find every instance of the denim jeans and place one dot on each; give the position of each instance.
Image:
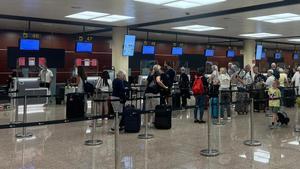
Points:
(200, 105)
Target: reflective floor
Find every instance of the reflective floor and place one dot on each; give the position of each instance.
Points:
(62, 146)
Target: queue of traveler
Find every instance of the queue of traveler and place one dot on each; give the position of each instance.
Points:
(216, 86)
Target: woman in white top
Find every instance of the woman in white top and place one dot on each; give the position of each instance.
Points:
(104, 85)
(270, 79)
(214, 78)
(80, 80)
(296, 79)
(224, 79)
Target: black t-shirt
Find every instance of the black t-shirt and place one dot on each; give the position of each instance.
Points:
(151, 78)
(276, 74)
(171, 77)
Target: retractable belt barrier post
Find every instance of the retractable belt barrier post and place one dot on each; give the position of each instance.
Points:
(219, 121)
(252, 142)
(297, 125)
(117, 132)
(93, 141)
(16, 120)
(146, 135)
(24, 133)
(209, 152)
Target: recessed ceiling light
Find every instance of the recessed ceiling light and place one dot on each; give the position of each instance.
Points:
(86, 15)
(294, 40)
(183, 4)
(112, 18)
(277, 18)
(260, 35)
(156, 2)
(197, 28)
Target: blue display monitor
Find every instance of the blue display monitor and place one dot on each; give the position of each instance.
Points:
(209, 52)
(259, 52)
(148, 50)
(277, 55)
(84, 47)
(129, 45)
(264, 55)
(296, 56)
(230, 53)
(176, 51)
(29, 44)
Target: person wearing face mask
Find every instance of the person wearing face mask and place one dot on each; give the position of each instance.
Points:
(184, 86)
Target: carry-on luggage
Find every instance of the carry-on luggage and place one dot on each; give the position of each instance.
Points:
(75, 105)
(176, 101)
(242, 106)
(283, 118)
(214, 107)
(163, 117)
(259, 96)
(289, 98)
(132, 119)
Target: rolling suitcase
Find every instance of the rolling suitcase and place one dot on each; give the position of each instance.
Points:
(241, 106)
(163, 117)
(75, 105)
(176, 100)
(132, 119)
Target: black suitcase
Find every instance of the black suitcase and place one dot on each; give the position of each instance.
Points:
(163, 117)
(176, 100)
(289, 97)
(75, 105)
(132, 119)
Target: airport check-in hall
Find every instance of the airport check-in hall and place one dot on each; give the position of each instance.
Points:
(149, 84)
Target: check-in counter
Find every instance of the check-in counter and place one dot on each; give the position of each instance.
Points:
(29, 87)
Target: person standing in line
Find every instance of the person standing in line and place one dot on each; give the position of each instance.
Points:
(230, 69)
(296, 80)
(224, 79)
(184, 86)
(214, 78)
(274, 103)
(275, 71)
(199, 90)
(119, 93)
(170, 79)
(270, 80)
(46, 76)
(104, 85)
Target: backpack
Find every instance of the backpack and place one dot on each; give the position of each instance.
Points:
(283, 118)
(198, 87)
(88, 88)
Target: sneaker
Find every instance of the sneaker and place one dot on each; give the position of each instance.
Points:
(196, 121)
(272, 127)
(228, 118)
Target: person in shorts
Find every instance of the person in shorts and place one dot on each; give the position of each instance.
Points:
(274, 103)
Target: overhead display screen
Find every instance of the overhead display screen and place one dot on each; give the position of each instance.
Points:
(177, 51)
(148, 50)
(296, 56)
(277, 55)
(29, 44)
(209, 53)
(259, 52)
(84, 47)
(129, 45)
(230, 53)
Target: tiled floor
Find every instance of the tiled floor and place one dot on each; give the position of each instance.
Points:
(62, 146)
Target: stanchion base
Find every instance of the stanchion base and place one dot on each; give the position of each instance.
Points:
(93, 142)
(21, 135)
(210, 152)
(97, 125)
(252, 143)
(145, 136)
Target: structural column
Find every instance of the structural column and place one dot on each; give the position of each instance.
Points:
(249, 52)
(119, 61)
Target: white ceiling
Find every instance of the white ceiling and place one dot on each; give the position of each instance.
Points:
(234, 24)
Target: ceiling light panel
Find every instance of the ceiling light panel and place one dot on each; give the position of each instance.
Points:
(197, 28)
(294, 40)
(260, 35)
(277, 18)
(183, 4)
(87, 15)
(113, 18)
(156, 2)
